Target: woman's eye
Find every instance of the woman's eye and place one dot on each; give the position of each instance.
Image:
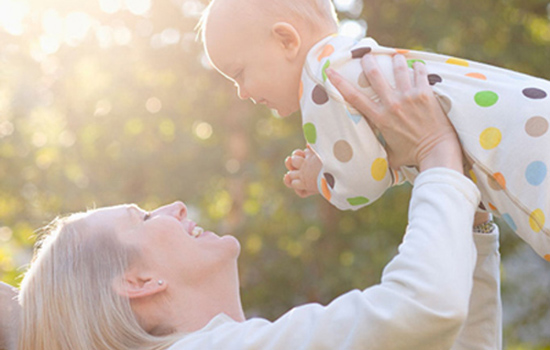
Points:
(147, 216)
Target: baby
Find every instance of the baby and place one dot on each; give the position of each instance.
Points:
(277, 53)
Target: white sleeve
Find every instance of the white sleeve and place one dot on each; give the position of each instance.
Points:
(421, 302)
(483, 327)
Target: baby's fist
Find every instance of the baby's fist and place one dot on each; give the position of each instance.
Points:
(303, 169)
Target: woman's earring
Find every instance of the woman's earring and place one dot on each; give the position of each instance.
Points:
(160, 282)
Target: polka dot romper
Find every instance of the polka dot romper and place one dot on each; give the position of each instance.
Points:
(501, 117)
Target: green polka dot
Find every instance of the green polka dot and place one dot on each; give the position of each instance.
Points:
(310, 133)
(357, 200)
(411, 62)
(325, 67)
(486, 98)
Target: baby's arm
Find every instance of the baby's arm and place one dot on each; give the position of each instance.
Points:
(303, 169)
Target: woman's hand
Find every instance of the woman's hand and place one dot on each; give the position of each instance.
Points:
(416, 130)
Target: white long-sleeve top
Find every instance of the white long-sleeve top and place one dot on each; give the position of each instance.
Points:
(421, 303)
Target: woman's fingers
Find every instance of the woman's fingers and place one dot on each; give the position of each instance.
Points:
(421, 76)
(353, 96)
(401, 72)
(377, 80)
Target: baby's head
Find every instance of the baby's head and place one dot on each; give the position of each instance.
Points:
(261, 45)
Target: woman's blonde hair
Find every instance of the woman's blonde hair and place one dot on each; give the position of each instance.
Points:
(67, 294)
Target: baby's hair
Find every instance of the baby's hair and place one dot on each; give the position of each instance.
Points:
(315, 13)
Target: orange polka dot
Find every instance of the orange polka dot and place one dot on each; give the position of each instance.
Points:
(477, 76)
(402, 51)
(396, 176)
(301, 92)
(325, 190)
(547, 257)
(492, 207)
(458, 62)
(500, 179)
(327, 51)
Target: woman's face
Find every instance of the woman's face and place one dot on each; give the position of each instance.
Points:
(172, 246)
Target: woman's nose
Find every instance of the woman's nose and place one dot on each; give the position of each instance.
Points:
(176, 209)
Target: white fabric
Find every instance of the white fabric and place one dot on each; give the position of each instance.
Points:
(483, 327)
(421, 302)
(501, 117)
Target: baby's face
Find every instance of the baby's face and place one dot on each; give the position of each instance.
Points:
(256, 63)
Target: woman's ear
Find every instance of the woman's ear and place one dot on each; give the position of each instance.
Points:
(288, 37)
(134, 286)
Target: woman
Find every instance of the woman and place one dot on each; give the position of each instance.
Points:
(123, 278)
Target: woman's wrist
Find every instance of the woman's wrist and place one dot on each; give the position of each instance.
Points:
(444, 153)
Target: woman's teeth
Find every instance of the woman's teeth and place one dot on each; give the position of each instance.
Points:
(197, 231)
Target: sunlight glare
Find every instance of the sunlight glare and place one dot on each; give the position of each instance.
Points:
(138, 7)
(12, 14)
(352, 7)
(110, 6)
(104, 36)
(77, 25)
(352, 28)
(49, 44)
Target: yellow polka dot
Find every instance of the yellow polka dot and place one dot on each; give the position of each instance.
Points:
(492, 207)
(473, 176)
(327, 51)
(458, 62)
(547, 257)
(379, 169)
(402, 51)
(536, 220)
(490, 138)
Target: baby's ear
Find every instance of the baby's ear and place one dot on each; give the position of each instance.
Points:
(288, 37)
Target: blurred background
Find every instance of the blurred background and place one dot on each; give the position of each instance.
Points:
(111, 101)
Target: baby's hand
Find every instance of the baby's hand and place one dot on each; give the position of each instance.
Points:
(303, 168)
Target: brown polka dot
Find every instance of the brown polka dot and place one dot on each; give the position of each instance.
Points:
(497, 181)
(536, 126)
(362, 81)
(534, 93)
(445, 103)
(343, 151)
(360, 52)
(434, 79)
(330, 179)
(319, 95)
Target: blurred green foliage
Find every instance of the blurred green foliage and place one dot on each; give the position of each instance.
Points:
(105, 107)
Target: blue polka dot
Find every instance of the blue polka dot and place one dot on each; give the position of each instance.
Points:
(355, 117)
(506, 217)
(536, 173)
